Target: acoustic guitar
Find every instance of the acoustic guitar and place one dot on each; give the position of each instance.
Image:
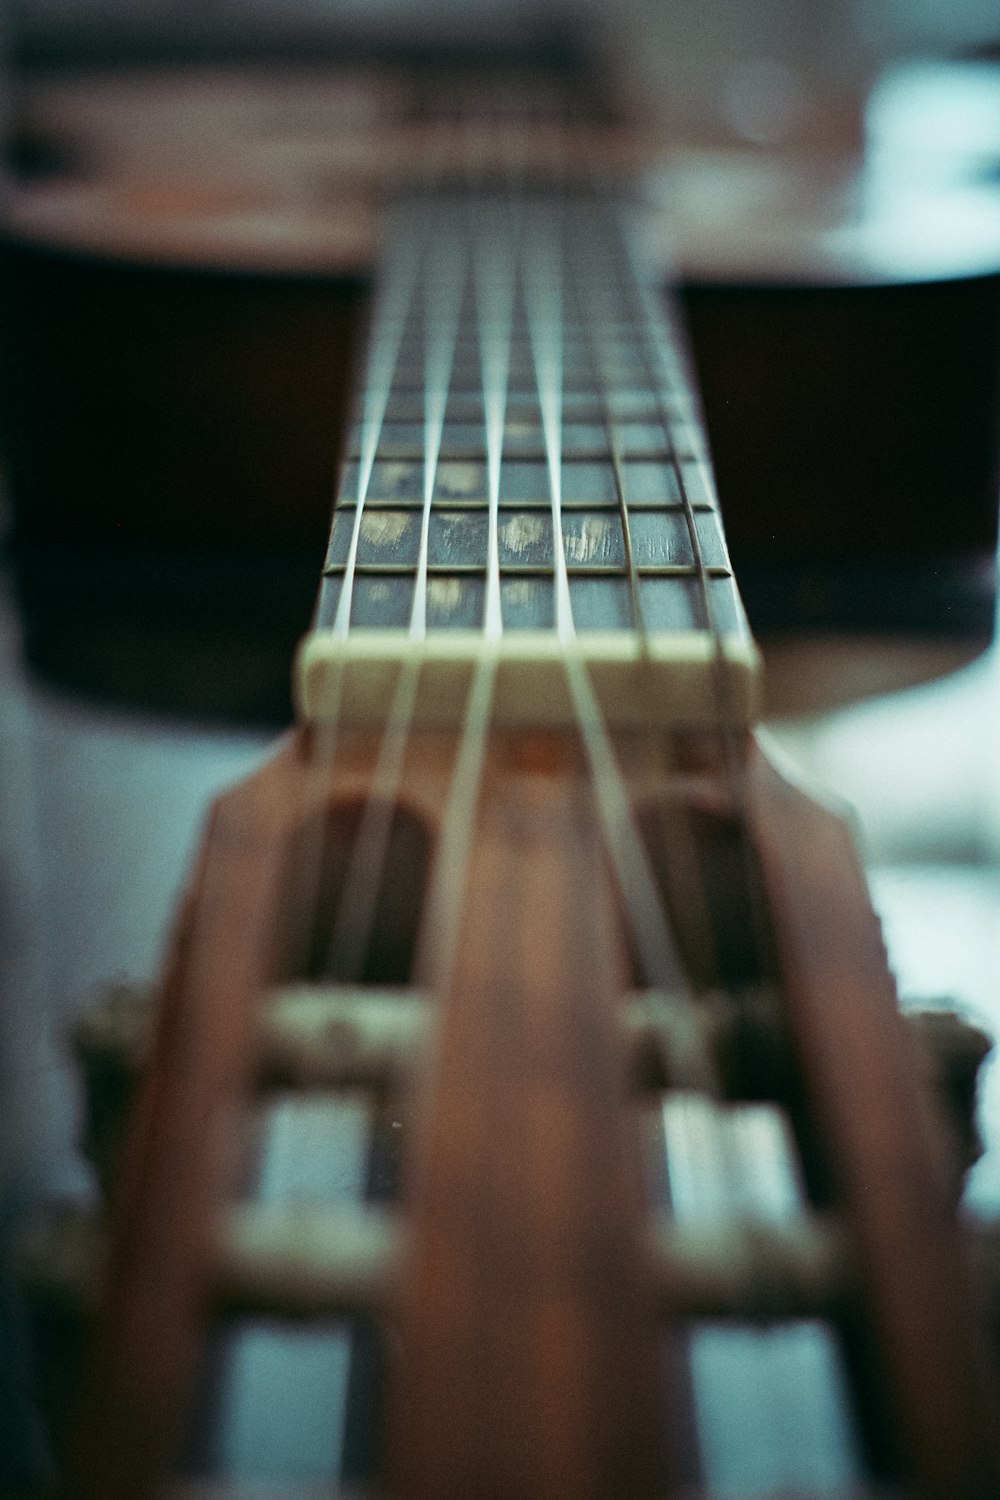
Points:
(187, 257)
(524, 876)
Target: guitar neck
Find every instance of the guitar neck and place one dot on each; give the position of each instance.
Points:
(527, 472)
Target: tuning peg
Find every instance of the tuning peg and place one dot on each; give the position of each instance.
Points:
(952, 1051)
(310, 1037)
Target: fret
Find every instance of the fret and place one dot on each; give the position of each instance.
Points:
(671, 597)
(529, 447)
(531, 570)
(389, 537)
(521, 387)
(650, 479)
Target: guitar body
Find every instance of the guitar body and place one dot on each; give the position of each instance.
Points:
(182, 328)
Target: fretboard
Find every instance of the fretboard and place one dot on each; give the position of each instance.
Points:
(527, 471)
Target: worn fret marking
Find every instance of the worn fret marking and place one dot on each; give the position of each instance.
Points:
(458, 480)
(527, 536)
(594, 539)
(384, 528)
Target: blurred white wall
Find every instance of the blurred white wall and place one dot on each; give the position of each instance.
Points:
(825, 33)
(758, 69)
(769, 71)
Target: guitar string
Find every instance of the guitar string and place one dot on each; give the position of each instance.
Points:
(442, 290)
(438, 930)
(629, 859)
(682, 868)
(663, 367)
(497, 229)
(409, 222)
(492, 229)
(313, 789)
(397, 280)
(392, 303)
(492, 307)
(394, 298)
(677, 843)
(397, 284)
(494, 286)
(541, 280)
(493, 232)
(731, 730)
(357, 907)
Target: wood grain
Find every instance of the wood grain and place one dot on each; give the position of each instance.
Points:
(931, 1381)
(528, 1364)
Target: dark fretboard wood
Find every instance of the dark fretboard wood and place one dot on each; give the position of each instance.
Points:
(528, 455)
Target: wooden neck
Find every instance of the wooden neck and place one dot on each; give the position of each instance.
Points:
(527, 460)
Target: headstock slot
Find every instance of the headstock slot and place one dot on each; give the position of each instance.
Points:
(318, 866)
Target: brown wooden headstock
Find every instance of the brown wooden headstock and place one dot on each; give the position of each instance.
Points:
(523, 1274)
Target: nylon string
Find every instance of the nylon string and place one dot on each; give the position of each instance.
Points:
(677, 842)
(629, 857)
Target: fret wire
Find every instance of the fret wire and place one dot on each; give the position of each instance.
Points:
(405, 453)
(528, 570)
(376, 502)
(465, 403)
